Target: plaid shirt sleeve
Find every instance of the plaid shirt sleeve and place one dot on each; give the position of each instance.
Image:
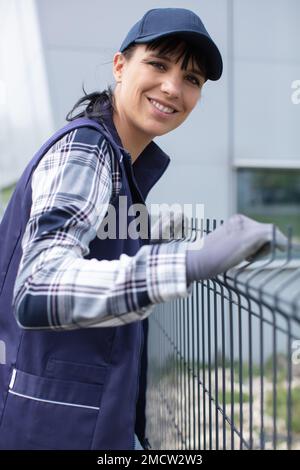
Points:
(56, 287)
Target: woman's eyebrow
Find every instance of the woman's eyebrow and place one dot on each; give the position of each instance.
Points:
(165, 57)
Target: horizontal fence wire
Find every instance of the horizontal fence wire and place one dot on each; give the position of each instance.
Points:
(224, 362)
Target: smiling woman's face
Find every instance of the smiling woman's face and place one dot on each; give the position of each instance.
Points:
(153, 94)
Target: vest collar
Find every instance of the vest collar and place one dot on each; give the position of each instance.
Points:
(150, 164)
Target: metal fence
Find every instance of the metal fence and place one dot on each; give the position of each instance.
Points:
(224, 363)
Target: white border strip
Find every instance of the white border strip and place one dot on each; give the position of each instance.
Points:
(13, 378)
(53, 402)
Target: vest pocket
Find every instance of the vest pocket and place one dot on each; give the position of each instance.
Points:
(43, 413)
(67, 370)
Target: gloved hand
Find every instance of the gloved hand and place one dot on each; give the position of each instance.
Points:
(238, 239)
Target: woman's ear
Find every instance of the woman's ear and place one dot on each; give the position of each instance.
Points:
(119, 61)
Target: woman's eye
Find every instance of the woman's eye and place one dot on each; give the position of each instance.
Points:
(156, 64)
(194, 80)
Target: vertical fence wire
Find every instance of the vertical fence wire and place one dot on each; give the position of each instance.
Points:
(220, 369)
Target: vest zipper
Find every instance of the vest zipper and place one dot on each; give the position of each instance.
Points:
(128, 163)
(138, 379)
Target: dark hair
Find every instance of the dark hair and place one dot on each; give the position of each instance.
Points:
(177, 46)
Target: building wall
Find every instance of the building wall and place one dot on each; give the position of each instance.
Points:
(265, 117)
(266, 62)
(25, 111)
(79, 42)
(244, 120)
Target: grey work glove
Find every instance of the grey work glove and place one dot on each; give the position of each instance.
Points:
(238, 239)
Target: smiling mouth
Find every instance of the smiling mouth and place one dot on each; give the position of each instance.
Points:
(161, 110)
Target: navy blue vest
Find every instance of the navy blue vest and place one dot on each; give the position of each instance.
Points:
(96, 370)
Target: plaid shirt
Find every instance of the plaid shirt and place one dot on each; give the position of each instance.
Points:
(56, 286)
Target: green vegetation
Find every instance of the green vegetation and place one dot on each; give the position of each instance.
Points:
(282, 406)
(5, 194)
(173, 364)
(281, 366)
(236, 396)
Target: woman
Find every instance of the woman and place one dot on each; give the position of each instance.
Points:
(82, 386)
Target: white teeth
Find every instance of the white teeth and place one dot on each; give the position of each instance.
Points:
(161, 107)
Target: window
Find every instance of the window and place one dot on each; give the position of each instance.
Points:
(271, 195)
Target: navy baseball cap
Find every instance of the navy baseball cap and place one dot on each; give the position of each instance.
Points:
(160, 22)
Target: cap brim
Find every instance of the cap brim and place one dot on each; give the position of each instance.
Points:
(206, 44)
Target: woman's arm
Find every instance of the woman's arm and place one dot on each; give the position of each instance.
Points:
(55, 286)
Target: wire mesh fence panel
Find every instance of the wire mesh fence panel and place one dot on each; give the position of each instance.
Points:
(223, 363)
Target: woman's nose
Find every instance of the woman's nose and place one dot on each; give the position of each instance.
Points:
(171, 85)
